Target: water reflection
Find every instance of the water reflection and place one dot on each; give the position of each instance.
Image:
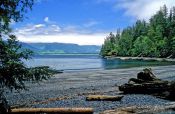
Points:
(87, 62)
(118, 63)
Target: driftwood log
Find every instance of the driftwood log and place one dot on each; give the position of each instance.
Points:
(145, 76)
(147, 83)
(141, 110)
(147, 87)
(53, 110)
(103, 98)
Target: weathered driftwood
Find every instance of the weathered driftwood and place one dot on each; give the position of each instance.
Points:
(148, 87)
(147, 83)
(145, 76)
(140, 110)
(103, 98)
(54, 110)
(123, 110)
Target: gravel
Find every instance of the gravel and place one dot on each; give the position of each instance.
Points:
(69, 89)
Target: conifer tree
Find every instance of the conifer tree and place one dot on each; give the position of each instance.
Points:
(13, 71)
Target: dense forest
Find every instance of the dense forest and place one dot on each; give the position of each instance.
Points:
(155, 38)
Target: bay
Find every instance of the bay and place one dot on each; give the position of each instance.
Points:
(82, 62)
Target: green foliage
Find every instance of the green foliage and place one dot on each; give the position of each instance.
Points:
(13, 10)
(143, 46)
(125, 42)
(108, 46)
(13, 71)
(152, 39)
(173, 46)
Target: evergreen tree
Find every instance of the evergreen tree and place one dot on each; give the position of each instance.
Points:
(173, 47)
(108, 46)
(140, 28)
(13, 71)
(143, 47)
(125, 42)
(152, 39)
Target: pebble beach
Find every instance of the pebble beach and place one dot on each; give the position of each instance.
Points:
(70, 89)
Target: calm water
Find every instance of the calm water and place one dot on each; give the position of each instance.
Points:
(87, 62)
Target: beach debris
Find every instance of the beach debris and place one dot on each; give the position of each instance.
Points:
(147, 83)
(141, 109)
(54, 110)
(123, 110)
(145, 88)
(103, 98)
(145, 76)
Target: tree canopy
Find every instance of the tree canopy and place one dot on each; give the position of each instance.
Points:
(13, 71)
(155, 38)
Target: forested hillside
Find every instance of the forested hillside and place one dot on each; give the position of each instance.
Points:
(155, 38)
(61, 48)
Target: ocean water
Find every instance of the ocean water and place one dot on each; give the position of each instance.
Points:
(87, 62)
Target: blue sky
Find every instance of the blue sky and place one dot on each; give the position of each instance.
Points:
(95, 13)
(84, 22)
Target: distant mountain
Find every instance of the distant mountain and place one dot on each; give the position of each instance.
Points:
(61, 48)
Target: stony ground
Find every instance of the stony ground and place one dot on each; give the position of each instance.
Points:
(70, 89)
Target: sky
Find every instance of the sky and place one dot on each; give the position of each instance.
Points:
(83, 22)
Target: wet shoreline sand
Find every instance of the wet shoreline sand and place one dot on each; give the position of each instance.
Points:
(69, 89)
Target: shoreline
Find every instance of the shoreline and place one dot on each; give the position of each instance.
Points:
(141, 58)
(70, 89)
(63, 54)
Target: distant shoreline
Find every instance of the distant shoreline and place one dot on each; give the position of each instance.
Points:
(68, 54)
(141, 58)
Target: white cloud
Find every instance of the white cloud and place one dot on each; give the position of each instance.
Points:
(139, 9)
(46, 19)
(71, 28)
(38, 29)
(54, 33)
(142, 9)
(39, 26)
(90, 24)
(81, 39)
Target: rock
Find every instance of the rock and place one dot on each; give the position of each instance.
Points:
(103, 98)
